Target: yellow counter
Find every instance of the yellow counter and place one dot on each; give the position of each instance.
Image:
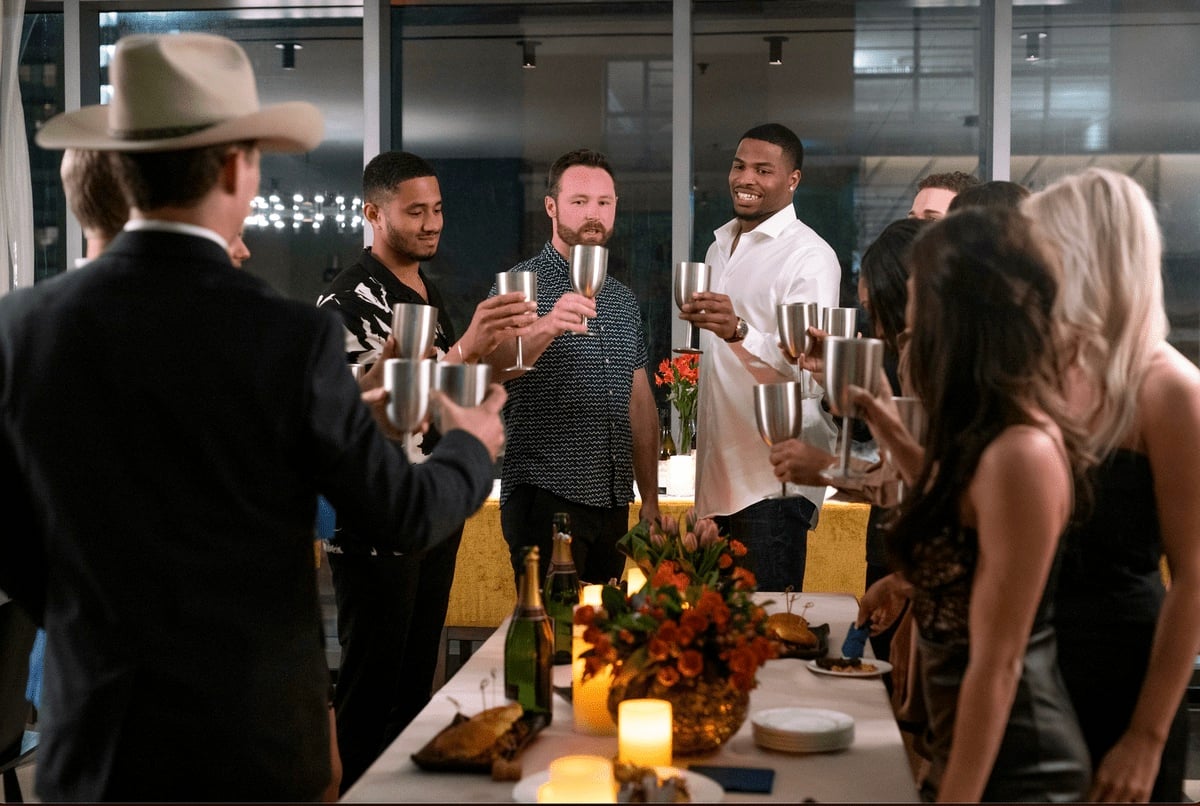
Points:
(483, 593)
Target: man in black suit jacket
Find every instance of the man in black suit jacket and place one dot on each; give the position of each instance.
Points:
(166, 424)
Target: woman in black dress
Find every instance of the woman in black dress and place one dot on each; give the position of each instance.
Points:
(978, 537)
(1127, 644)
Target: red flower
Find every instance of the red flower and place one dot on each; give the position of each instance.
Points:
(668, 631)
(658, 649)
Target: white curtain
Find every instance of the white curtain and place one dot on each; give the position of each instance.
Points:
(16, 212)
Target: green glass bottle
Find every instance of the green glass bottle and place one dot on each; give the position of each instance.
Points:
(529, 646)
(562, 589)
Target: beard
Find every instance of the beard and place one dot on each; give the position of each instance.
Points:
(408, 245)
(591, 232)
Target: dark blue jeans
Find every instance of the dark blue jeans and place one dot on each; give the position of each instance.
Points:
(775, 531)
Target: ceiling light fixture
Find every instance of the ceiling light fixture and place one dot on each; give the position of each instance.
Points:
(528, 53)
(1033, 45)
(775, 49)
(288, 53)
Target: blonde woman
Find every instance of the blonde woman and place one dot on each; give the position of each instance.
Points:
(1127, 644)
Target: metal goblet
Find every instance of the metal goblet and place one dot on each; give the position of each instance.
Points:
(778, 410)
(508, 282)
(916, 422)
(690, 278)
(414, 328)
(840, 322)
(794, 320)
(465, 384)
(849, 362)
(407, 383)
(589, 269)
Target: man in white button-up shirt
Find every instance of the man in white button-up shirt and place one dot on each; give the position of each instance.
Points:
(763, 257)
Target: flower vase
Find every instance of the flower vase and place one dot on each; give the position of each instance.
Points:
(707, 710)
(687, 435)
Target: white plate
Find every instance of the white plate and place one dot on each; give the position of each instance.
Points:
(701, 788)
(881, 667)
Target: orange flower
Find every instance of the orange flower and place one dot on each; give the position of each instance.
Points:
(743, 578)
(694, 620)
(626, 636)
(724, 561)
(585, 615)
(686, 636)
(738, 548)
(667, 676)
(691, 663)
(668, 631)
(657, 649)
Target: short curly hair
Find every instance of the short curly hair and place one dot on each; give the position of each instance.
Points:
(958, 181)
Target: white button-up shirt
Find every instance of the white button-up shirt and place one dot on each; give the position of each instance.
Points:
(780, 260)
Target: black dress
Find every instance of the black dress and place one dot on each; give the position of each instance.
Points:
(1042, 756)
(1109, 596)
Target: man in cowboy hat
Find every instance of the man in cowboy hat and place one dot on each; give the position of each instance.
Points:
(161, 413)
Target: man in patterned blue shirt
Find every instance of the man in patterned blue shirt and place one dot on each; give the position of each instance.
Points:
(582, 425)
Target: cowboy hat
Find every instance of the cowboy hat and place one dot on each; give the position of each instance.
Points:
(178, 91)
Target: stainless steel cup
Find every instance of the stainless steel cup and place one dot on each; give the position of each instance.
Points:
(357, 370)
(779, 413)
(850, 362)
(589, 268)
(414, 327)
(465, 384)
(690, 278)
(839, 321)
(407, 383)
(916, 422)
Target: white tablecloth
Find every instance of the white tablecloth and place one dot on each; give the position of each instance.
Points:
(874, 768)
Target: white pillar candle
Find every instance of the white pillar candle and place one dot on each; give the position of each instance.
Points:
(579, 779)
(592, 595)
(635, 579)
(589, 698)
(644, 732)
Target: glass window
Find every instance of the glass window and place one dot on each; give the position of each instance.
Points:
(1091, 86)
(492, 128)
(40, 72)
(315, 56)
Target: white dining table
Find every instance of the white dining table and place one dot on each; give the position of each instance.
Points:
(874, 768)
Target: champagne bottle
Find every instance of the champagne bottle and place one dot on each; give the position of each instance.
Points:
(667, 450)
(562, 589)
(529, 646)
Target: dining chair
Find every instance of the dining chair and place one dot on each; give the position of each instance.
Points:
(17, 743)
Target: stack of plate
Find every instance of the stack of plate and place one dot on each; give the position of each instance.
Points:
(803, 730)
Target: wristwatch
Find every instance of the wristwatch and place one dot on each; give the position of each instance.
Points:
(740, 331)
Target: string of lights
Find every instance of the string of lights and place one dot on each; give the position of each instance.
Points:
(320, 211)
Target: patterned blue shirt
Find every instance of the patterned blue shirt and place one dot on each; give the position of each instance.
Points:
(567, 421)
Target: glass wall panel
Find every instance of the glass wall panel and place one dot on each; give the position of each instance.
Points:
(1114, 85)
(881, 94)
(492, 127)
(296, 241)
(40, 73)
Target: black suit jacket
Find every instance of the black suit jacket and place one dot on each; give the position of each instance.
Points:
(166, 423)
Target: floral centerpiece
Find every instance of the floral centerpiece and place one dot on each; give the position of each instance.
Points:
(680, 375)
(693, 635)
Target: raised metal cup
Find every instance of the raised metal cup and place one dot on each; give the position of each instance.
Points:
(589, 269)
(850, 362)
(414, 327)
(690, 278)
(840, 322)
(916, 422)
(794, 320)
(465, 384)
(407, 383)
(508, 282)
(779, 413)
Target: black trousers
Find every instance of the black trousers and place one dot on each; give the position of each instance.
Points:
(527, 518)
(391, 611)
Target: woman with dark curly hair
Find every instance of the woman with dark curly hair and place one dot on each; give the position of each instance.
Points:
(978, 537)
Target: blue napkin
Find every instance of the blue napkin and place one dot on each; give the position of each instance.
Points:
(856, 640)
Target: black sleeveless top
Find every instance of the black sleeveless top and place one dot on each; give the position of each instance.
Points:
(1111, 561)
